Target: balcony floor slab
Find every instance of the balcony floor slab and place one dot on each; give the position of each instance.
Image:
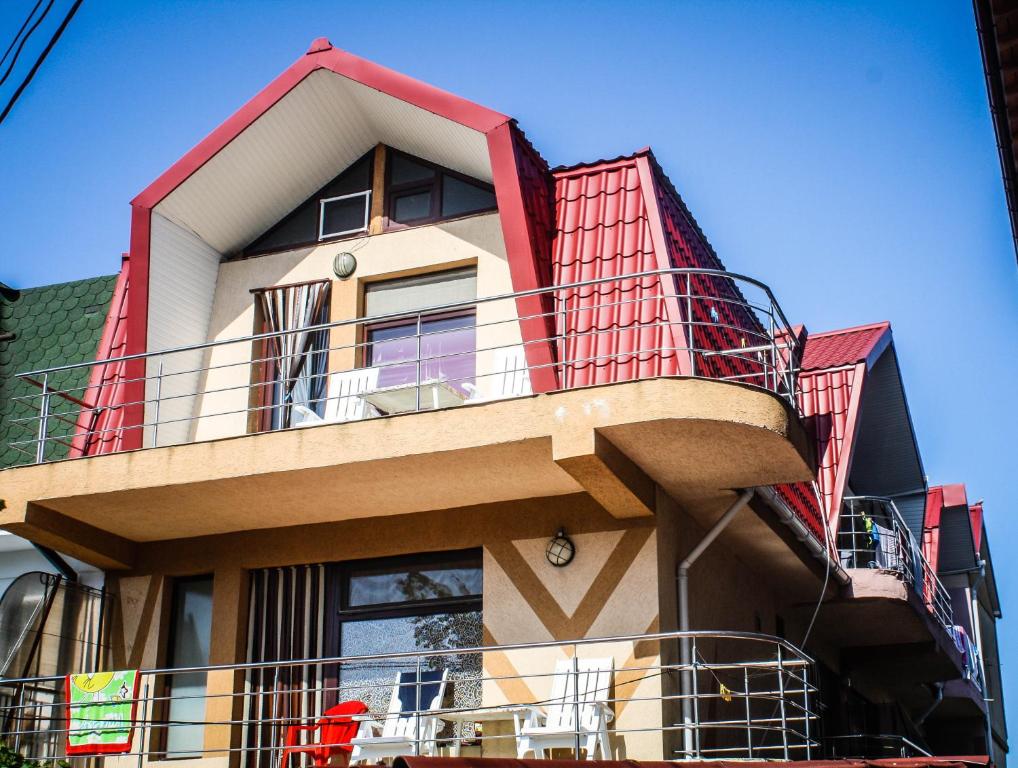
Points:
(691, 436)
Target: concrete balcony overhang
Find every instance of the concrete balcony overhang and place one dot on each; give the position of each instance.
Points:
(881, 622)
(692, 437)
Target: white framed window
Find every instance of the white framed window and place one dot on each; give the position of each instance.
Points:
(344, 215)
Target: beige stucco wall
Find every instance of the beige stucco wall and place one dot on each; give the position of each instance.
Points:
(475, 240)
(620, 583)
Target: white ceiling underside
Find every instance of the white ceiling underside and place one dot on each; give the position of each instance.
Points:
(319, 128)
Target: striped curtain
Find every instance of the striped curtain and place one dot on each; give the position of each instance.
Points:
(286, 622)
(300, 356)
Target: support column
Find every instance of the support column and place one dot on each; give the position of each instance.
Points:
(226, 646)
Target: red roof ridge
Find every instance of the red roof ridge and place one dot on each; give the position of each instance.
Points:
(320, 55)
(852, 329)
(846, 346)
(602, 163)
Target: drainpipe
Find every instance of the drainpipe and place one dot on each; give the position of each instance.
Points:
(977, 630)
(938, 696)
(977, 636)
(682, 576)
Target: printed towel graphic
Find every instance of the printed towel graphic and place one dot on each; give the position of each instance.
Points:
(100, 712)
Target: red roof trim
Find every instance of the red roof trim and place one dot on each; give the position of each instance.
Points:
(320, 55)
(848, 448)
(976, 518)
(523, 261)
(400, 86)
(137, 326)
(676, 318)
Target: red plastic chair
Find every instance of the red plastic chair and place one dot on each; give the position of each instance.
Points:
(336, 728)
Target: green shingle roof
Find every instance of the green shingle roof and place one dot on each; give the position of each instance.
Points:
(53, 325)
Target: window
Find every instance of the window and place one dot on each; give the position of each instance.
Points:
(305, 224)
(419, 192)
(344, 215)
(460, 197)
(190, 633)
(417, 603)
(424, 348)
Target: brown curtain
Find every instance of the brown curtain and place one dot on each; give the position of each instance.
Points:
(286, 622)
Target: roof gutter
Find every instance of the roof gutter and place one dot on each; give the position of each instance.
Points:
(998, 114)
(802, 533)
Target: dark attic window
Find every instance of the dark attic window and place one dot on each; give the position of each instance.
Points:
(415, 192)
(337, 209)
(419, 192)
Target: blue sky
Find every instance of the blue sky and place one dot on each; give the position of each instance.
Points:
(841, 152)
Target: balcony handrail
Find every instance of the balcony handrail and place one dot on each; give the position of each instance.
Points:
(755, 698)
(797, 652)
(939, 602)
(721, 332)
(447, 307)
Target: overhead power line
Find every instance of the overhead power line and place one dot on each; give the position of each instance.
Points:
(18, 36)
(21, 45)
(38, 62)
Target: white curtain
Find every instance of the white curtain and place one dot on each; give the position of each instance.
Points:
(300, 355)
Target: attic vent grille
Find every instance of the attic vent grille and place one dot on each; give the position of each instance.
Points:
(344, 215)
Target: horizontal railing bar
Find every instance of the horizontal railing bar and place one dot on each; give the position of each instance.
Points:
(255, 409)
(753, 637)
(367, 344)
(465, 304)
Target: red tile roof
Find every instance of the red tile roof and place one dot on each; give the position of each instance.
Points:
(102, 428)
(833, 366)
(849, 346)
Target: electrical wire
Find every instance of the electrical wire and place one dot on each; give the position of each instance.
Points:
(38, 62)
(827, 574)
(18, 36)
(21, 45)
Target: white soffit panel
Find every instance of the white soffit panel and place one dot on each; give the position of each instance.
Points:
(320, 127)
(422, 133)
(182, 282)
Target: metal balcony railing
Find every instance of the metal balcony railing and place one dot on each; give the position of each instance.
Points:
(749, 695)
(673, 322)
(866, 746)
(872, 534)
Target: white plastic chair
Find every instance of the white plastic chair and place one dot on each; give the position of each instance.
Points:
(585, 692)
(343, 401)
(510, 377)
(411, 725)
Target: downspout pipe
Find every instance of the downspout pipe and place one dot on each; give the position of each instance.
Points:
(977, 630)
(682, 576)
